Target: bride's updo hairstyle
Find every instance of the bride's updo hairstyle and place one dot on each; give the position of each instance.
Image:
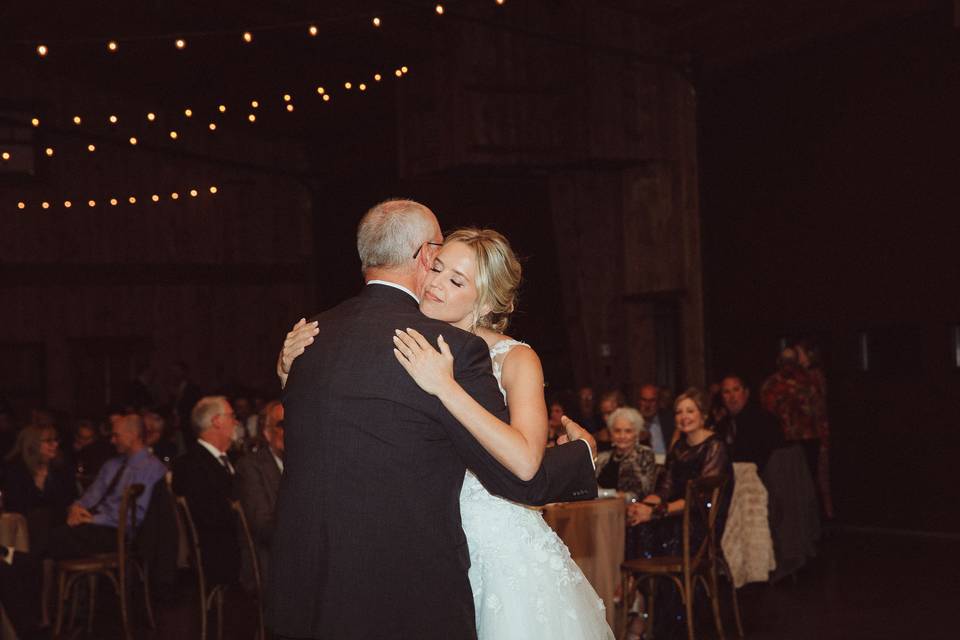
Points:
(498, 275)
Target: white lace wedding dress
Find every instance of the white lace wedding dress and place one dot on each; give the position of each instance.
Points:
(525, 585)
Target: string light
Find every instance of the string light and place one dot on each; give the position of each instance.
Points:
(155, 198)
(67, 204)
(222, 108)
(312, 30)
(362, 87)
(286, 97)
(133, 141)
(151, 117)
(348, 85)
(173, 135)
(252, 118)
(404, 70)
(500, 2)
(91, 203)
(174, 196)
(377, 77)
(77, 121)
(247, 37)
(213, 190)
(45, 204)
(212, 126)
(5, 155)
(113, 202)
(112, 119)
(188, 112)
(289, 108)
(132, 199)
(439, 9)
(254, 104)
(49, 152)
(42, 51)
(326, 97)
(376, 22)
(35, 122)
(193, 193)
(91, 148)
(21, 205)
(321, 90)
(180, 43)
(112, 46)
(398, 73)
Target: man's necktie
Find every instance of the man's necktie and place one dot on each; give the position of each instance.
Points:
(111, 487)
(225, 461)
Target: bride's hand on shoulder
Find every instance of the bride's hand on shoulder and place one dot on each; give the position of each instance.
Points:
(298, 339)
(431, 369)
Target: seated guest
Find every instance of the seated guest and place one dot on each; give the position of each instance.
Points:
(608, 402)
(587, 416)
(698, 453)
(554, 424)
(158, 440)
(750, 431)
(204, 475)
(89, 451)
(93, 519)
(659, 422)
(38, 484)
(630, 465)
(258, 480)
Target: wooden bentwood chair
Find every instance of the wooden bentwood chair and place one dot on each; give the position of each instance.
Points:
(701, 503)
(115, 565)
(215, 595)
(244, 528)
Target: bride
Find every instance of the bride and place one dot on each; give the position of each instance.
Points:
(525, 585)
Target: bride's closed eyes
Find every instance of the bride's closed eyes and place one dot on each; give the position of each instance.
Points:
(438, 268)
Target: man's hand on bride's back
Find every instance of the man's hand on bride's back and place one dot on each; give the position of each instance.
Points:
(575, 432)
(298, 339)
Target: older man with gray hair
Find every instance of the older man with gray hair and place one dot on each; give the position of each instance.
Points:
(204, 475)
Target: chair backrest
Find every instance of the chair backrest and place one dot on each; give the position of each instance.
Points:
(128, 517)
(701, 506)
(184, 510)
(251, 547)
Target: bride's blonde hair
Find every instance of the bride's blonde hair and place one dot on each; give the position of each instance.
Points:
(498, 275)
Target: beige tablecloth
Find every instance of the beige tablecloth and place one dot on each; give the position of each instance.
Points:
(593, 531)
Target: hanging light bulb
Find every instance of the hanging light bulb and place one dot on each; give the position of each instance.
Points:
(252, 118)
(67, 204)
(174, 196)
(376, 22)
(35, 122)
(321, 90)
(404, 70)
(49, 152)
(133, 141)
(180, 43)
(193, 193)
(312, 30)
(91, 203)
(212, 126)
(377, 77)
(151, 116)
(286, 97)
(398, 73)
(91, 148)
(326, 97)
(439, 9)
(155, 198)
(42, 50)
(112, 46)
(132, 200)
(77, 120)
(113, 202)
(21, 205)
(5, 155)
(289, 108)
(188, 112)
(213, 190)
(112, 119)
(173, 135)
(362, 87)
(222, 108)
(348, 85)
(254, 104)
(45, 204)
(247, 37)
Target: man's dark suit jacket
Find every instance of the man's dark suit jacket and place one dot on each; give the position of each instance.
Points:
(668, 424)
(368, 541)
(208, 488)
(258, 480)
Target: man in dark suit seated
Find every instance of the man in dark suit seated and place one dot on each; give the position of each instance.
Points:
(204, 475)
(258, 480)
(658, 422)
(750, 431)
(93, 519)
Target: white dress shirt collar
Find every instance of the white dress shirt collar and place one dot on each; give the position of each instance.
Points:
(216, 453)
(395, 286)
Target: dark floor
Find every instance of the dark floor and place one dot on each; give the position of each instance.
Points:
(869, 586)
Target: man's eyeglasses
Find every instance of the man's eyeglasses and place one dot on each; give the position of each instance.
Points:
(436, 244)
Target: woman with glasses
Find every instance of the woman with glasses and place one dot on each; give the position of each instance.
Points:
(37, 484)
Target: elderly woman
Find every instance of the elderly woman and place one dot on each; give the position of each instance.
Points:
(629, 466)
(36, 484)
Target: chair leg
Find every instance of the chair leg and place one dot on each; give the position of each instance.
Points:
(203, 613)
(651, 599)
(72, 594)
(715, 602)
(123, 590)
(147, 601)
(220, 613)
(91, 600)
(61, 599)
(688, 590)
(623, 614)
